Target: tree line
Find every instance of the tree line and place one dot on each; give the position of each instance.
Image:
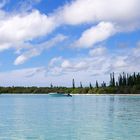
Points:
(122, 83)
(125, 80)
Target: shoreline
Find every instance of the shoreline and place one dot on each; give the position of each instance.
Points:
(72, 94)
(108, 94)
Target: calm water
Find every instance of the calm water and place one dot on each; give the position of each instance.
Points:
(41, 117)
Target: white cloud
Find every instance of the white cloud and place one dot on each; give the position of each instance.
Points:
(98, 63)
(107, 17)
(20, 28)
(37, 49)
(27, 26)
(55, 61)
(111, 17)
(85, 11)
(120, 62)
(96, 34)
(60, 66)
(4, 46)
(86, 69)
(66, 64)
(24, 57)
(136, 50)
(74, 66)
(127, 61)
(98, 51)
(23, 77)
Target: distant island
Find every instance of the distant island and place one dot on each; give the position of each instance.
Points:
(125, 84)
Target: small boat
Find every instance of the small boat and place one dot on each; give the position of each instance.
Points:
(69, 95)
(60, 94)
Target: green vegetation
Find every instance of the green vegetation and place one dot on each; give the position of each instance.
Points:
(126, 84)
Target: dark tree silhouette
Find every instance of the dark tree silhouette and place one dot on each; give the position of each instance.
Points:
(81, 86)
(97, 85)
(73, 83)
(90, 85)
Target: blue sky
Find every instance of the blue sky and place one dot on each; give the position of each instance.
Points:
(45, 41)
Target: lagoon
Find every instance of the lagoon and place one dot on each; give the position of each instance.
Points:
(81, 117)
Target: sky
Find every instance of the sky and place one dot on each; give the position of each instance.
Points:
(47, 41)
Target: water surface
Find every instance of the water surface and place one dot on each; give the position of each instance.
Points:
(81, 117)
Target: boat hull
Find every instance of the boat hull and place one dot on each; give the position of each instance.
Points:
(60, 95)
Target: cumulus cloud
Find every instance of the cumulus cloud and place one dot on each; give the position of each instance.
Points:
(60, 66)
(37, 49)
(24, 57)
(127, 61)
(23, 27)
(99, 61)
(89, 11)
(106, 18)
(74, 66)
(20, 28)
(96, 34)
(88, 68)
(19, 77)
(101, 50)
(121, 16)
(33, 24)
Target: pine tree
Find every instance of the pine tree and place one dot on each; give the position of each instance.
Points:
(120, 80)
(90, 85)
(81, 86)
(124, 79)
(97, 85)
(113, 80)
(73, 83)
(127, 76)
(134, 78)
(51, 85)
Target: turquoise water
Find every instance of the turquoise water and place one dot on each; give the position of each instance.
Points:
(81, 117)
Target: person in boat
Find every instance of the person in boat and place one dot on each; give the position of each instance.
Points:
(69, 95)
